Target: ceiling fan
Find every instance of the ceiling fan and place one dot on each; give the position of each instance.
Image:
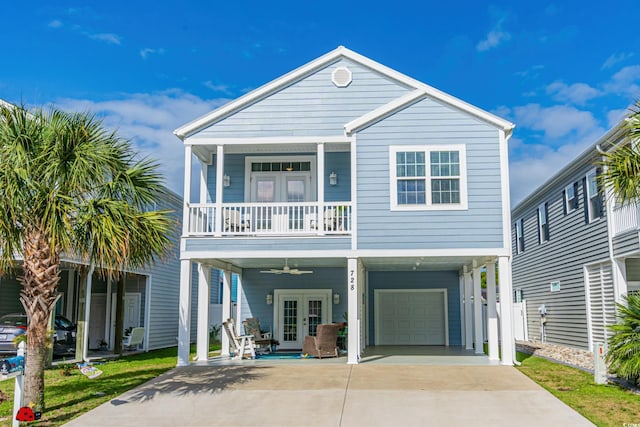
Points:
(286, 270)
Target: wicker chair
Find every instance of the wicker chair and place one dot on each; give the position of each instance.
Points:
(324, 344)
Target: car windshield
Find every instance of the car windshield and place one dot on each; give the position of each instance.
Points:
(63, 322)
(13, 320)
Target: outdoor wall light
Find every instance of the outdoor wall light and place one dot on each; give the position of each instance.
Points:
(333, 178)
(336, 298)
(226, 180)
(269, 299)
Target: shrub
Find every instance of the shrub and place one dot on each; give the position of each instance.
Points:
(624, 346)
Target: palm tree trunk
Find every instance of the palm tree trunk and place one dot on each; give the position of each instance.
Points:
(38, 296)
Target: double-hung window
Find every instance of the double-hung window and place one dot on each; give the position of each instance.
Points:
(571, 198)
(543, 223)
(594, 200)
(519, 236)
(428, 177)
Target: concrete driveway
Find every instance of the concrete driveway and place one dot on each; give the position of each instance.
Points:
(336, 395)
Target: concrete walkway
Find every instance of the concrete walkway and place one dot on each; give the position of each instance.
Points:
(336, 395)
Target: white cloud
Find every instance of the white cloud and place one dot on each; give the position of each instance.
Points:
(55, 24)
(542, 162)
(556, 121)
(531, 72)
(577, 93)
(221, 88)
(144, 53)
(497, 35)
(148, 120)
(616, 58)
(625, 82)
(106, 37)
(614, 116)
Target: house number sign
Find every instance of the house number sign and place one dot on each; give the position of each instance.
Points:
(352, 280)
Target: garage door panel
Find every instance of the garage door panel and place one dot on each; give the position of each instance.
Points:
(411, 317)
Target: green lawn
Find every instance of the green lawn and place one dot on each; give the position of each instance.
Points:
(603, 405)
(70, 396)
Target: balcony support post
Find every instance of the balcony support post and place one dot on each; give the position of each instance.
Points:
(320, 178)
(186, 215)
(219, 226)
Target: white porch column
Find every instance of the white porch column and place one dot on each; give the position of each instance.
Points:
(239, 305)
(87, 314)
(506, 310)
(320, 178)
(204, 296)
(184, 321)
(219, 226)
(468, 310)
(226, 308)
(353, 347)
(477, 312)
(492, 314)
(186, 215)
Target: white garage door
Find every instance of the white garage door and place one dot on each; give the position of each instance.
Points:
(411, 317)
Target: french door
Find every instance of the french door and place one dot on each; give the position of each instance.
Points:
(298, 313)
(272, 190)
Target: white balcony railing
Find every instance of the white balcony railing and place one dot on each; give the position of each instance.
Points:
(269, 219)
(625, 218)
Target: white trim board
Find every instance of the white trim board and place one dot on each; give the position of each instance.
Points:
(376, 309)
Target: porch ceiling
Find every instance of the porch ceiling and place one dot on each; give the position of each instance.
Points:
(371, 263)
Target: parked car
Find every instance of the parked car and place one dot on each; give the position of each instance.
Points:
(15, 324)
(11, 326)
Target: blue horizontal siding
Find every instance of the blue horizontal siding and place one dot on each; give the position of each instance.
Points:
(429, 123)
(312, 106)
(239, 244)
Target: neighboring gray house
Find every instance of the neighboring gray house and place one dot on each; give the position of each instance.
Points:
(575, 252)
(151, 295)
(345, 189)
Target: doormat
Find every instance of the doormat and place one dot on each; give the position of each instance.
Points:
(273, 356)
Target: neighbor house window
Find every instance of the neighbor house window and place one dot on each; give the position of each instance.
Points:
(594, 199)
(428, 177)
(543, 223)
(519, 236)
(571, 197)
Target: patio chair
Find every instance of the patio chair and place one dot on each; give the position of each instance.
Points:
(324, 344)
(233, 221)
(240, 344)
(134, 339)
(263, 340)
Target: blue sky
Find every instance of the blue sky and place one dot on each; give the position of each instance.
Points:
(564, 72)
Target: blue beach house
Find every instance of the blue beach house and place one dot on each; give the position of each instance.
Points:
(347, 190)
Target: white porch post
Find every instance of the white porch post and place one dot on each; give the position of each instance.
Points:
(184, 325)
(320, 196)
(506, 310)
(239, 304)
(477, 312)
(186, 215)
(468, 310)
(87, 314)
(353, 347)
(219, 226)
(226, 308)
(204, 293)
(492, 314)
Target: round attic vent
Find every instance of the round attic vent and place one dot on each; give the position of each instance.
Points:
(341, 77)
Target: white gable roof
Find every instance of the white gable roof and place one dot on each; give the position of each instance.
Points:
(421, 90)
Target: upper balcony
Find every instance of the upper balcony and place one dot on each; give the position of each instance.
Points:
(625, 218)
(287, 189)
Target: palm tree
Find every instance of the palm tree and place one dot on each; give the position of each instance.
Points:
(624, 346)
(621, 166)
(68, 186)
